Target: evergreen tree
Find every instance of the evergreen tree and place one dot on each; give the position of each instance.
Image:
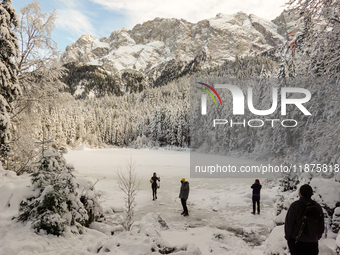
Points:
(56, 204)
(319, 44)
(9, 87)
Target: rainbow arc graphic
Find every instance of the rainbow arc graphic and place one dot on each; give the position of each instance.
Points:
(204, 96)
(209, 93)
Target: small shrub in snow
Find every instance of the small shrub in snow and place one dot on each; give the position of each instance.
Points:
(289, 181)
(56, 204)
(279, 204)
(92, 206)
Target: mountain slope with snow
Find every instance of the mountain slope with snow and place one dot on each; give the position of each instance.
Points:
(156, 42)
(158, 51)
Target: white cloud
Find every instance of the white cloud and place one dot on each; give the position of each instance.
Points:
(74, 22)
(139, 11)
(66, 4)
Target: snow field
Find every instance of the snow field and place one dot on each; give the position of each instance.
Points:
(215, 205)
(219, 223)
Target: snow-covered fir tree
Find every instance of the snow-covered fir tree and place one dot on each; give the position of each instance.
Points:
(319, 44)
(56, 206)
(9, 87)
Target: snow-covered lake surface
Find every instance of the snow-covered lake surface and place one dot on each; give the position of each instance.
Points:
(171, 167)
(220, 221)
(214, 204)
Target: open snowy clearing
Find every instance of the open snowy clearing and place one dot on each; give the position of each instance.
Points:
(215, 205)
(207, 196)
(219, 223)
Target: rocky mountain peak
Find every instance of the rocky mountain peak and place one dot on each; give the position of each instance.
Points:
(155, 42)
(84, 40)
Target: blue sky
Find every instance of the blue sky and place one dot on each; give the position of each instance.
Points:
(101, 17)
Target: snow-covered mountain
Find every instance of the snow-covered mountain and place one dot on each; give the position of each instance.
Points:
(156, 42)
(160, 50)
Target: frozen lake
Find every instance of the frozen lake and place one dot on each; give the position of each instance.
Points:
(219, 223)
(218, 203)
(169, 165)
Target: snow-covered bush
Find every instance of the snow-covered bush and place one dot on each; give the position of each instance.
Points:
(92, 206)
(336, 220)
(326, 193)
(56, 205)
(289, 181)
(279, 204)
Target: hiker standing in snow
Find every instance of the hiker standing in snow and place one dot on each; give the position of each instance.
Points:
(256, 195)
(154, 185)
(304, 224)
(183, 195)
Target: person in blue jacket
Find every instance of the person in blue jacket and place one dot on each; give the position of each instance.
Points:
(256, 196)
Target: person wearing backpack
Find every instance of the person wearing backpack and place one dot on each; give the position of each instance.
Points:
(304, 224)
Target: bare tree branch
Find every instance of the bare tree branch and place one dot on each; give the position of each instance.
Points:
(128, 182)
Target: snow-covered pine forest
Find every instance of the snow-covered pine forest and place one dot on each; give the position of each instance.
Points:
(85, 104)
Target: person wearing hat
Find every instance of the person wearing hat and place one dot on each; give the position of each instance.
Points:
(183, 195)
(256, 196)
(304, 240)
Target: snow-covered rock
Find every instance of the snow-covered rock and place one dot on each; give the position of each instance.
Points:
(276, 243)
(103, 228)
(280, 219)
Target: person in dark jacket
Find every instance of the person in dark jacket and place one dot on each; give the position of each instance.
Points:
(305, 245)
(183, 195)
(256, 195)
(154, 185)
